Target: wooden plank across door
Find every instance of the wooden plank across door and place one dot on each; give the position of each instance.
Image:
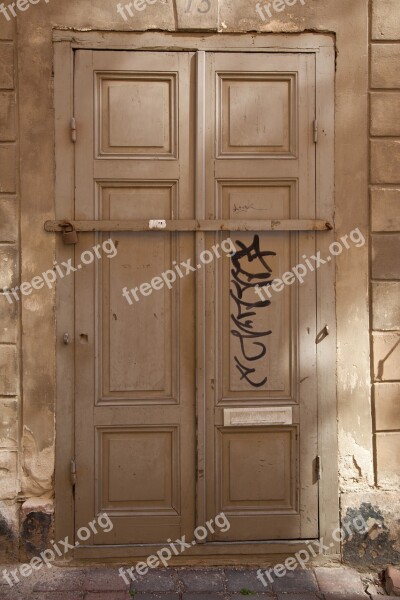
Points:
(192, 225)
(261, 356)
(135, 366)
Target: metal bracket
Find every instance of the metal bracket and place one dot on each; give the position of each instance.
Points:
(322, 334)
(73, 129)
(315, 131)
(73, 472)
(318, 468)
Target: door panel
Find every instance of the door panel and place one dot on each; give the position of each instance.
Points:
(149, 371)
(255, 200)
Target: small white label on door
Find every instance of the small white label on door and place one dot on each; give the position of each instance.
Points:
(157, 224)
(258, 416)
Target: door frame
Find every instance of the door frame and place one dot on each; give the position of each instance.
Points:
(322, 45)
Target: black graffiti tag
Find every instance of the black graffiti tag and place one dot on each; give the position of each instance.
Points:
(252, 348)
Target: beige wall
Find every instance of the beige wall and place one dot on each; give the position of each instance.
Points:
(369, 446)
(385, 228)
(382, 503)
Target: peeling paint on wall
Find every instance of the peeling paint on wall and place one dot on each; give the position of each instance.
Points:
(37, 468)
(36, 532)
(356, 463)
(380, 545)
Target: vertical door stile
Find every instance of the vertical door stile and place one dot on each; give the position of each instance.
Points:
(200, 289)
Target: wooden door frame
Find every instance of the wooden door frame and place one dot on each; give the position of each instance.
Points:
(322, 45)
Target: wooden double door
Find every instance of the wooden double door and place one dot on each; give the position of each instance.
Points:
(198, 398)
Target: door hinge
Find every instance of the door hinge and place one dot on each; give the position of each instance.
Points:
(73, 472)
(315, 130)
(318, 468)
(73, 129)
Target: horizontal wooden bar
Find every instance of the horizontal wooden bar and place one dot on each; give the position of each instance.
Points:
(195, 225)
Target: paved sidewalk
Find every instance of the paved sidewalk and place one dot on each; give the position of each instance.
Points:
(228, 583)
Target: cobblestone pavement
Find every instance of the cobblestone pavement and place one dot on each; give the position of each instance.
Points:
(228, 583)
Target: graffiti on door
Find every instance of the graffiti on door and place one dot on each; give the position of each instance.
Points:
(250, 269)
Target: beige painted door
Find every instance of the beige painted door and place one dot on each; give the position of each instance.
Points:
(260, 158)
(198, 399)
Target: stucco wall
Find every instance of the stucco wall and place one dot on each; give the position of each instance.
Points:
(381, 504)
(369, 442)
